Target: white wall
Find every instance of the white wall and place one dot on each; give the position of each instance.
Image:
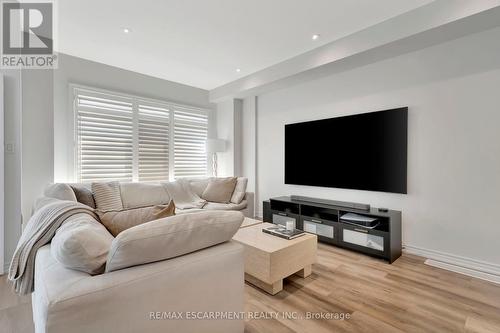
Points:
(12, 168)
(37, 136)
(452, 91)
(229, 120)
(248, 142)
(81, 71)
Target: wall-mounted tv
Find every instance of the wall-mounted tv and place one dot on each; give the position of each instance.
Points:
(364, 152)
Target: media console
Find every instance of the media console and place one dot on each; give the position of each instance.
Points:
(369, 230)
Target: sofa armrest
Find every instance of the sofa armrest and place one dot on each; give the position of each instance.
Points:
(126, 300)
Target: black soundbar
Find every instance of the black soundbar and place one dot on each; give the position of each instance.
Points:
(353, 205)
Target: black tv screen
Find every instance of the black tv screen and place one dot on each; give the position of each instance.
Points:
(365, 152)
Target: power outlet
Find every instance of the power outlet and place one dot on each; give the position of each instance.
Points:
(9, 148)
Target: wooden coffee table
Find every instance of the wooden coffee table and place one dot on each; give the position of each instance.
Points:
(269, 259)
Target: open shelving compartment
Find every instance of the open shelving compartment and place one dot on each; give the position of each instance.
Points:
(374, 240)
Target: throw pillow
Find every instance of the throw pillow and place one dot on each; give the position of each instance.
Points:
(118, 221)
(198, 186)
(107, 196)
(84, 195)
(239, 190)
(135, 195)
(171, 237)
(82, 243)
(220, 189)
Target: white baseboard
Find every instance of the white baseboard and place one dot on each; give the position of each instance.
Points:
(462, 265)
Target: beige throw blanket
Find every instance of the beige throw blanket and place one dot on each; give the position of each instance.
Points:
(180, 192)
(39, 231)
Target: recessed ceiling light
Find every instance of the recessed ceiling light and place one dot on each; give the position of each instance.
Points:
(238, 70)
(315, 36)
(126, 30)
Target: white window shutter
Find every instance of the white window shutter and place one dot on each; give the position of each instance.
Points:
(104, 137)
(153, 145)
(128, 138)
(190, 135)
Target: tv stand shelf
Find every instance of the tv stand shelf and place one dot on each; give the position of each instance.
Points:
(383, 240)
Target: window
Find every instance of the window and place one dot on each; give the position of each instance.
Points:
(153, 144)
(190, 135)
(105, 137)
(127, 138)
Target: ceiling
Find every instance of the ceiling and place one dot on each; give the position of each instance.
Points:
(202, 42)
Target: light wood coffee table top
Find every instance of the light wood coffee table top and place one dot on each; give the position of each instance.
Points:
(269, 259)
(254, 237)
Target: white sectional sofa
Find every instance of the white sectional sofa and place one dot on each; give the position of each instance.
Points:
(143, 298)
(135, 299)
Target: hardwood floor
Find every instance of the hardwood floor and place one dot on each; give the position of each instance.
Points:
(407, 296)
(15, 311)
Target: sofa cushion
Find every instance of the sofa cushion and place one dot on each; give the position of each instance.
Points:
(220, 189)
(198, 185)
(136, 195)
(59, 191)
(82, 243)
(118, 221)
(107, 196)
(239, 190)
(228, 206)
(171, 237)
(83, 195)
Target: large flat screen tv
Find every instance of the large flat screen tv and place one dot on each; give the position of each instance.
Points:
(364, 152)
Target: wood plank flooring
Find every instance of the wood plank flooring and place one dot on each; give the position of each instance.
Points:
(15, 311)
(407, 296)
